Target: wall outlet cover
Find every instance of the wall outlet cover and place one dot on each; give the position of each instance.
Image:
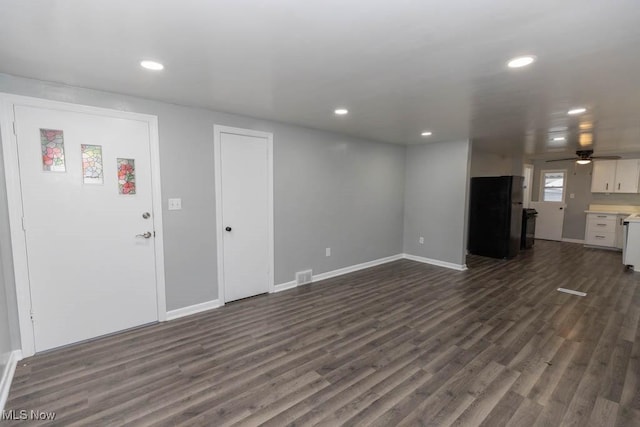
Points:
(327, 252)
(175, 204)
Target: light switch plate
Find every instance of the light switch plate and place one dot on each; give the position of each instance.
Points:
(175, 204)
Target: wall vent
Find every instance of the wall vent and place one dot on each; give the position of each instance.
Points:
(304, 277)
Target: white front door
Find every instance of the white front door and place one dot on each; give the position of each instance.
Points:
(245, 218)
(551, 206)
(87, 204)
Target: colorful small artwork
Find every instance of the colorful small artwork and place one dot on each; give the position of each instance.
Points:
(126, 176)
(91, 164)
(52, 144)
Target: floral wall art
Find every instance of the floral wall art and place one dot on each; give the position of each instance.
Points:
(52, 144)
(126, 176)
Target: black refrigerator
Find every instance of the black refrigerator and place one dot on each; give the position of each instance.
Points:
(495, 216)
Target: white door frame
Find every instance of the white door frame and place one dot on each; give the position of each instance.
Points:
(14, 199)
(218, 130)
(528, 191)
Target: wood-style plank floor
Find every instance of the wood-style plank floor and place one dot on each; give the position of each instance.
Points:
(399, 344)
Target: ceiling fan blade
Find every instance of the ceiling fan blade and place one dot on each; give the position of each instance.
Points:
(606, 157)
(563, 160)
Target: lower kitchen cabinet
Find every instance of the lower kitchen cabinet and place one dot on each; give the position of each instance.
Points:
(604, 230)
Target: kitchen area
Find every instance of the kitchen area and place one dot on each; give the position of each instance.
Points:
(596, 205)
(601, 204)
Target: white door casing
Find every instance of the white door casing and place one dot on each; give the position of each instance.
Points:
(527, 172)
(68, 262)
(244, 212)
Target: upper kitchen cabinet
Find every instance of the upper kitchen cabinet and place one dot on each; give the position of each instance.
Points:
(615, 176)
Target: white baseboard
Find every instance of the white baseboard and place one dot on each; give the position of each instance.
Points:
(351, 269)
(340, 272)
(459, 267)
(7, 376)
(564, 239)
(193, 309)
(284, 286)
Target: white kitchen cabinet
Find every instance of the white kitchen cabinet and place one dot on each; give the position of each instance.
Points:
(601, 230)
(603, 176)
(627, 176)
(616, 176)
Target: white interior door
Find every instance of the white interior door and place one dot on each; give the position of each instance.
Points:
(551, 206)
(90, 271)
(244, 161)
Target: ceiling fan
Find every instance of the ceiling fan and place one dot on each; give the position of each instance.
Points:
(584, 157)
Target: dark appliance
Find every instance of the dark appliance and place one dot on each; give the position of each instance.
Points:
(528, 228)
(495, 216)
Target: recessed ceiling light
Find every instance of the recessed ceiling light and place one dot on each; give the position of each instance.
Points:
(426, 133)
(575, 111)
(152, 65)
(521, 61)
(559, 138)
(341, 111)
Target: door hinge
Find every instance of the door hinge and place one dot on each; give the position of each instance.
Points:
(154, 233)
(24, 226)
(15, 129)
(32, 315)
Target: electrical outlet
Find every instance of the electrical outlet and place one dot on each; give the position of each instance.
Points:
(327, 252)
(421, 240)
(572, 196)
(175, 204)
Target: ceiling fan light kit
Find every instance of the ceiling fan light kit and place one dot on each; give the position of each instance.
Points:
(584, 157)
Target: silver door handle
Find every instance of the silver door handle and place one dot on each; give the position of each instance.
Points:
(145, 235)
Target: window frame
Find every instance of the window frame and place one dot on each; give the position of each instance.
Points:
(542, 186)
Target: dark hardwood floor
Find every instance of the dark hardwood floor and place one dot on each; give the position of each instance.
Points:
(399, 344)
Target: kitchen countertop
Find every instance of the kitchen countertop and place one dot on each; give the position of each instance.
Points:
(613, 209)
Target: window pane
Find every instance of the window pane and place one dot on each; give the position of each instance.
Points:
(552, 194)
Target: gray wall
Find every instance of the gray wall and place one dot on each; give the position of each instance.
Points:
(330, 191)
(436, 193)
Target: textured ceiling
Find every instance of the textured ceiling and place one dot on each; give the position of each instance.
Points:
(399, 67)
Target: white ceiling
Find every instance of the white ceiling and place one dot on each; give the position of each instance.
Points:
(399, 66)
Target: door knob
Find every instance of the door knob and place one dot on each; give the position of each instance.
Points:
(145, 235)
(228, 228)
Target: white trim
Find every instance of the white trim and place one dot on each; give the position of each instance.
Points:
(285, 286)
(156, 188)
(580, 241)
(217, 131)
(192, 309)
(7, 376)
(14, 198)
(459, 267)
(339, 272)
(357, 267)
